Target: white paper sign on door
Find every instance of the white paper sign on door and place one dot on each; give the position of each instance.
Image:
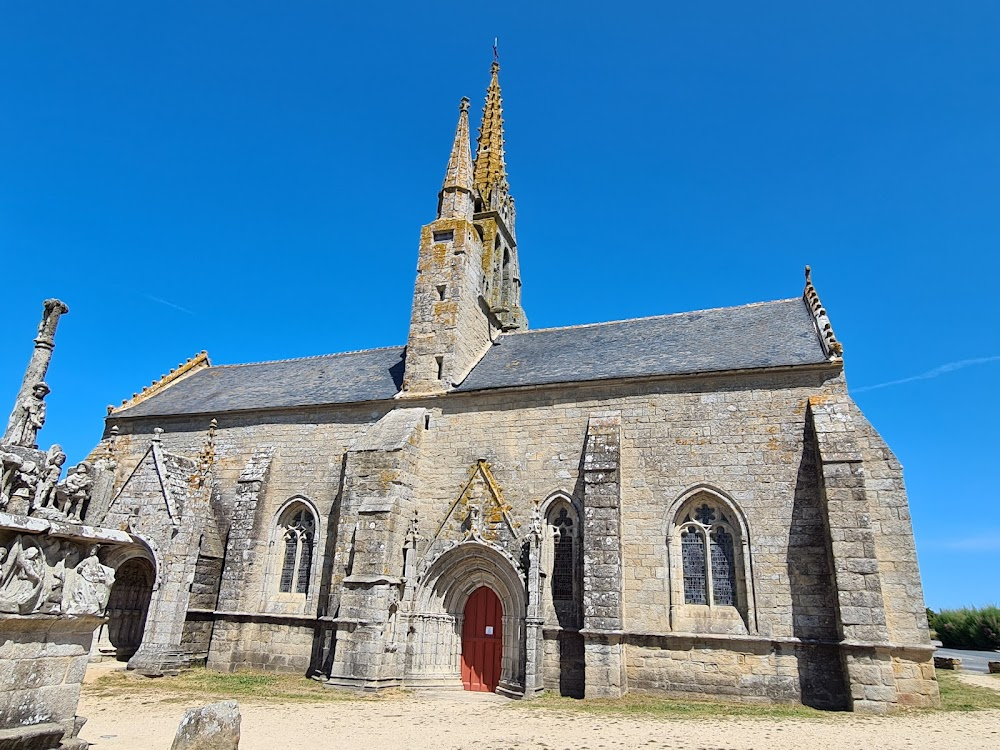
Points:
(489, 630)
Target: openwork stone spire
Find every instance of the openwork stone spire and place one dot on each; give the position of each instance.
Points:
(455, 198)
(491, 166)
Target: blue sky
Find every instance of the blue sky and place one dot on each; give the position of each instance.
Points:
(251, 178)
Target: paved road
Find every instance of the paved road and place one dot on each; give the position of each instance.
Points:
(972, 661)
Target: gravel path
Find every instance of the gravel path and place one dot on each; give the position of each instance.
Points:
(462, 720)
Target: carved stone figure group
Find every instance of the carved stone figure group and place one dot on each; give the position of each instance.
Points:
(46, 576)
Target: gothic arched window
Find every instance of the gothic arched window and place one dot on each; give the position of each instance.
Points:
(708, 555)
(562, 556)
(298, 529)
(562, 585)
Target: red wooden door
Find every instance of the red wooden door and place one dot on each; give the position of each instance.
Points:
(482, 641)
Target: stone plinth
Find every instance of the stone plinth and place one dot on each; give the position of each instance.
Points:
(42, 663)
(53, 592)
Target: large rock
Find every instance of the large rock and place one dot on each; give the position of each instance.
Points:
(212, 727)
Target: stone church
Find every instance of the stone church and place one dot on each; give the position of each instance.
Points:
(688, 504)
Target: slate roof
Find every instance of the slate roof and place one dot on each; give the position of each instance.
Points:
(766, 334)
(370, 375)
(763, 335)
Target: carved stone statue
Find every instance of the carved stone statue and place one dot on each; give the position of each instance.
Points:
(88, 588)
(23, 579)
(11, 463)
(27, 418)
(61, 557)
(45, 490)
(75, 491)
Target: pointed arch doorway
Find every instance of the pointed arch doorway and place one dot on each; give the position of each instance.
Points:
(482, 641)
(128, 606)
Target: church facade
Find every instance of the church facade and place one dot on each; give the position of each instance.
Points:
(689, 504)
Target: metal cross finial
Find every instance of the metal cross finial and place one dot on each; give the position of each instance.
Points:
(496, 54)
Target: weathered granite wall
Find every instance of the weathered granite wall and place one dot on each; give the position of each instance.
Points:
(269, 643)
(864, 542)
(746, 438)
(378, 500)
(748, 670)
(42, 663)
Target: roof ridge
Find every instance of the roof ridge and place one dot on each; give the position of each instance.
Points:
(652, 317)
(313, 356)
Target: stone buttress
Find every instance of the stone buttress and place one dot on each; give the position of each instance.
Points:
(883, 668)
(378, 500)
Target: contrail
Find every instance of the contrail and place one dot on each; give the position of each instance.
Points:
(936, 372)
(169, 304)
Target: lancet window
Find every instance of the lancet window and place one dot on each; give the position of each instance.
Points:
(298, 529)
(562, 556)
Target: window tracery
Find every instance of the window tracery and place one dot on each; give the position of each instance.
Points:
(298, 528)
(708, 556)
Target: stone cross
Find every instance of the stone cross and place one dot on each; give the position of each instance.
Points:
(29, 408)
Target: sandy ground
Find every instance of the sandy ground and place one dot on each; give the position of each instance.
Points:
(443, 721)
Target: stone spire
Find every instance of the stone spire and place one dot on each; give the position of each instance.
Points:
(494, 214)
(491, 166)
(455, 200)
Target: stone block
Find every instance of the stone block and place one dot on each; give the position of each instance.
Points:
(947, 662)
(993, 666)
(212, 727)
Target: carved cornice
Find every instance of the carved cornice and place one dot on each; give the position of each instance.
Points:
(833, 348)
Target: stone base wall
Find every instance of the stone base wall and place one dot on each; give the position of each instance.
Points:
(42, 663)
(916, 682)
(270, 645)
(756, 672)
(562, 663)
(196, 640)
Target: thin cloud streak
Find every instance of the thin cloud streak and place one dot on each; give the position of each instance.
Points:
(931, 374)
(978, 543)
(169, 304)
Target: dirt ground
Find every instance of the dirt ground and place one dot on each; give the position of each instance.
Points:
(443, 721)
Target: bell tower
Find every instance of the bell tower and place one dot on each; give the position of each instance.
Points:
(468, 287)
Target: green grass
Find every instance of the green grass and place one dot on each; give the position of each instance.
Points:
(202, 684)
(958, 696)
(955, 696)
(205, 684)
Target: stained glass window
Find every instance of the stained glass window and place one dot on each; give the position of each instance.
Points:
(693, 556)
(723, 569)
(562, 562)
(299, 527)
(708, 556)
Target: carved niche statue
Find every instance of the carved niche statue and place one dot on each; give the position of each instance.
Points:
(27, 418)
(88, 587)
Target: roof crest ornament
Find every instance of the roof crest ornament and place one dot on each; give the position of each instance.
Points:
(198, 362)
(833, 348)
